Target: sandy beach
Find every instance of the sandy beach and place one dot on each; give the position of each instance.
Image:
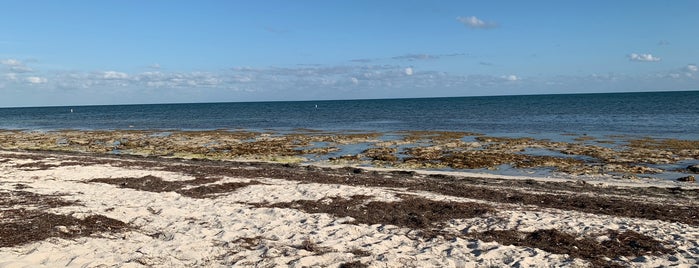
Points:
(95, 210)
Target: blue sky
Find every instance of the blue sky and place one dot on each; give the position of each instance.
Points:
(117, 52)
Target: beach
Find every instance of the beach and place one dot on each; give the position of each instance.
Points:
(349, 134)
(72, 201)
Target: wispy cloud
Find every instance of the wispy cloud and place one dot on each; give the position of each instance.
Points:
(11, 62)
(36, 80)
(21, 69)
(475, 23)
(363, 60)
(643, 57)
(16, 66)
(689, 71)
(413, 57)
(410, 57)
(10, 76)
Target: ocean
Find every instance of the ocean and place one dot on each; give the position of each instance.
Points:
(650, 114)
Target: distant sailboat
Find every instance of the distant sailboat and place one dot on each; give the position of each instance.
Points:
(71, 110)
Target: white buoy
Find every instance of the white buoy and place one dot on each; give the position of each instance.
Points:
(316, 106)
(71, 110)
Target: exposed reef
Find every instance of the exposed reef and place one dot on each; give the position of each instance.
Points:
(582, 155)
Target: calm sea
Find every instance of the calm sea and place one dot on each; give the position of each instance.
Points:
(657, 114)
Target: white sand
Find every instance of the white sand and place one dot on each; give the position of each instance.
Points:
(172, 230)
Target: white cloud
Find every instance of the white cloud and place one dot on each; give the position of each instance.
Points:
(36, 80)
(114, 75)
(155, 66)
(475, 23)
(16, 66)
(413, 57)
(643, 57)
(409, 71)
(329, 82)
(11, 62)
(511, 77)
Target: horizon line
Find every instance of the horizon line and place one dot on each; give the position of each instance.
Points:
(358, 99)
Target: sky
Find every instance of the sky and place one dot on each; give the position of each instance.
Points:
(60, 53)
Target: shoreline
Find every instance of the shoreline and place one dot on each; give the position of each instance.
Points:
(581, 156)
(151, 211)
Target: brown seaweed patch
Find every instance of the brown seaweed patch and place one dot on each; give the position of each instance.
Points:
(210, 191)
(596, 200)
(607, 205)
(354, 264)
(382, 154)
(9, 199)
(436, 136)
(411, 212)
(666, 144)
(523, 140)
(319, 150)
(46, 166)
(626, 244)
(154, 184)
(23, 219)
(478, 159)
(484, 159)
(30, 226)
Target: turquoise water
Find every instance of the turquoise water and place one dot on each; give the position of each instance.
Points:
(656, 114)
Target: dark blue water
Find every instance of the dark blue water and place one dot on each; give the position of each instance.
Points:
(658, 114)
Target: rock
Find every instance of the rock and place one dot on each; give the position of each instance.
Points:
(473, 144)
(80, 141)
(62, 142)
(165, 236)
(687, 179)
(61, 229)
(694, 168)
